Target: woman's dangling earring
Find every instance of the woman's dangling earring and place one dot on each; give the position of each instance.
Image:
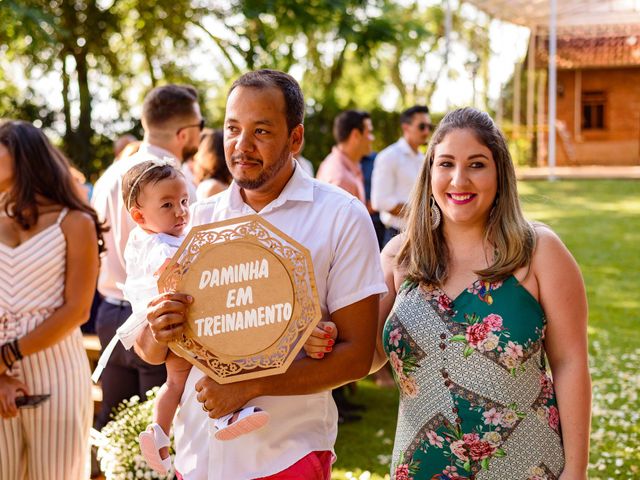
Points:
(436, 216)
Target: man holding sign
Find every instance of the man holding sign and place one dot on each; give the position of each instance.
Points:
(263, 130)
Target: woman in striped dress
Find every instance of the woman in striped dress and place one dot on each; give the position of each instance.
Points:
(49, 257)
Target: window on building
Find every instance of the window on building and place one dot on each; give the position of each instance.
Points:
(593, 107)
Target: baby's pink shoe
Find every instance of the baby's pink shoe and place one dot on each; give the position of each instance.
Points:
(151, 441)
(249, 419)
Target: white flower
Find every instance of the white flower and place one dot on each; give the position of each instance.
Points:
(509, 418)
(494, 438)
(490, 343)
(536, 471)
(509, 361)
(542, 414)
(117, 443)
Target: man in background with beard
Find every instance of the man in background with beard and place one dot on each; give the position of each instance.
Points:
(172, 124)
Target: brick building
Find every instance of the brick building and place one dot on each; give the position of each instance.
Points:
(598, 94)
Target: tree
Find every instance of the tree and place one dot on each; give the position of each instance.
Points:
(79, 39)
(347, 53)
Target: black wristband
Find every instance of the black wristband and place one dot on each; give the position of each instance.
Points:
(15, 349)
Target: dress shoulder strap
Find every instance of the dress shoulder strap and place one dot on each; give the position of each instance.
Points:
(407, 285)
(62, 214)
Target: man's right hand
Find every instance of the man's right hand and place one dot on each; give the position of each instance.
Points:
(167, 314)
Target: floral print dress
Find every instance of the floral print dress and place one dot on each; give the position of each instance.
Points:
(476, 401)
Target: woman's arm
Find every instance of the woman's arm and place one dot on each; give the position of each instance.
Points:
(388, 261)
(81, 275)
(563, 298)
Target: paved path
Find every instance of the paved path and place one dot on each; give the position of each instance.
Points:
(540, 173)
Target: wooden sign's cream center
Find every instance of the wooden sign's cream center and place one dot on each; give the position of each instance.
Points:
(242, 303)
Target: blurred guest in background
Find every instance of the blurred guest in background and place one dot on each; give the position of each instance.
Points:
(353, 133)
(121, 143)
(210, 168)
(397, 168)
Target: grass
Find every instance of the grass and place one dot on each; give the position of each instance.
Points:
(599, 221)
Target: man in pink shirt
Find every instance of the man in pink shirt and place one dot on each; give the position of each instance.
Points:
(353, 132)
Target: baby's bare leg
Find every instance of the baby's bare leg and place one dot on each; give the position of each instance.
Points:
(169, 395)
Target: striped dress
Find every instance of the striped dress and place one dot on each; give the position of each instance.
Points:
(50, 441)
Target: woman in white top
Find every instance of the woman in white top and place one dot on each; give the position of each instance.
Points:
(49, 246)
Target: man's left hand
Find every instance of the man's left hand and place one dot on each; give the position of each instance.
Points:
(219, 400)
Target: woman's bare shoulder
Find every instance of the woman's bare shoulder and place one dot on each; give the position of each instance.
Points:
(551, 256)
(548, 242)
(78, 222)
(392, 249)
(394, 272)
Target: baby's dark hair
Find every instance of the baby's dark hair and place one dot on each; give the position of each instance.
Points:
(142, 174)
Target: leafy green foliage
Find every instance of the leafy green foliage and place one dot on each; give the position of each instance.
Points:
(347, 53)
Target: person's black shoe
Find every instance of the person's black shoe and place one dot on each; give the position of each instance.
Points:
(353, 407)
(348, 417)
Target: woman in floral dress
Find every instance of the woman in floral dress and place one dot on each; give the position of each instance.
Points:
(479, 300)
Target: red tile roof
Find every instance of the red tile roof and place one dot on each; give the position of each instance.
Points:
(590, 47)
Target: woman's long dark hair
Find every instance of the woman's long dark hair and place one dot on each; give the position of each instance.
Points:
(39, 169)
(212, 147)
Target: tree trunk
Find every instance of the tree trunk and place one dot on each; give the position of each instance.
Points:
(66, 105)
(84, 132)
(396, 76)
(149, 60)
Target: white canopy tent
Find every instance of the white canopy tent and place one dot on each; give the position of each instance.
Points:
(548, 15)
(532, 13)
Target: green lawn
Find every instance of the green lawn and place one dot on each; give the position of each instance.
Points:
(599, 220)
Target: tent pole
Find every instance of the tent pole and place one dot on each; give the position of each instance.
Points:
(517, 75)
(531, 81)
(552, 87)
(448, 27)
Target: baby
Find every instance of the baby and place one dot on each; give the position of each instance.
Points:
(155, 194)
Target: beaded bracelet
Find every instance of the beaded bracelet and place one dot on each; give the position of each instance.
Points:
(15, 349)
(5, 352)
(10, 353)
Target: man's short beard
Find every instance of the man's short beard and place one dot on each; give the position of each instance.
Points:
(266, 175)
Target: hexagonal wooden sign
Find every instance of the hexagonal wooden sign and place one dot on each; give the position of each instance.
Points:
(255, 299)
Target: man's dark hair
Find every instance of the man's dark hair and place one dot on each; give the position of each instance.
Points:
(407, 115)
(293, 97)
(168, 102)
(346, 122)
